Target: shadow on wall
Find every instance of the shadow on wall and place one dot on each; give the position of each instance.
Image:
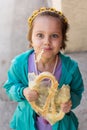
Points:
(14, 29)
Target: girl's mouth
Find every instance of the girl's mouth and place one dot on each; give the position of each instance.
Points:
(47, 49)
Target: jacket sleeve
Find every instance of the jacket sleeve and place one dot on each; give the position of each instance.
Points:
(14, 85)
(77, 87)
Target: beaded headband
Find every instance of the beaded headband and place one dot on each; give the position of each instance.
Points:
(44, 9)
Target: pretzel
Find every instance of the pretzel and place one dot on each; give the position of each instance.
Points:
(51, 109)
(39, 56)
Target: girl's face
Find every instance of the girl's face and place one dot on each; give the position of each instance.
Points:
(47, 35)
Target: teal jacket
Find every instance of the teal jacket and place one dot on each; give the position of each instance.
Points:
(24, 116)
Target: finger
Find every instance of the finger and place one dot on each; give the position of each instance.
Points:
(66, 110)
(69, 103)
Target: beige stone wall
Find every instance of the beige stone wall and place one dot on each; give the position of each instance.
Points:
(56, 4)
(76, 12)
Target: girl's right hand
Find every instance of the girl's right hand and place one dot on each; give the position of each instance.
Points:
(30, 95)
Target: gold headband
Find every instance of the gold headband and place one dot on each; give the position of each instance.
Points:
(44, 9)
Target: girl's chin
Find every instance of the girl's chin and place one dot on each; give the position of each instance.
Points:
(47, 57)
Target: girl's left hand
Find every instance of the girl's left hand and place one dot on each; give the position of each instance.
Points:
(66, 107)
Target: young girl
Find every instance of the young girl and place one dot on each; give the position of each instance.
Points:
(47, 33)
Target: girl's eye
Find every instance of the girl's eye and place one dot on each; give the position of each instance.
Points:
(54, 36)
(40, 35)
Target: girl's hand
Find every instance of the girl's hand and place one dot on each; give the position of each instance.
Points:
(66, 107)
(30, 95)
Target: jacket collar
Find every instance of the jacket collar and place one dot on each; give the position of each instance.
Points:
(66, 76)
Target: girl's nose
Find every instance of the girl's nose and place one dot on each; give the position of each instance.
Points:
(47, 40)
